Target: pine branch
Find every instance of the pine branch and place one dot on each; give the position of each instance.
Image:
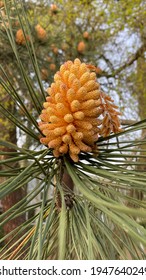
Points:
(128, 63)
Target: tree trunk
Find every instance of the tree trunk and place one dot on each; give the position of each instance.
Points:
(140, 90)
(8, 133)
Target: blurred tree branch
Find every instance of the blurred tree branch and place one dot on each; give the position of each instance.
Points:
(134, 57)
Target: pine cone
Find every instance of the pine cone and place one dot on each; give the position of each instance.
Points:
(70, 115)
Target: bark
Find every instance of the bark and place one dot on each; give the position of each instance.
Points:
(140, 89)
(141, 94)
(12, 198)
(8, 133)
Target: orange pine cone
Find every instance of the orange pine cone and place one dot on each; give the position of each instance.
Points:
(52, 67)
(54, 8)
(70, 119)
(66, 123)
(81, 47)
(41, 32)
(55, 50)
(20, 39)
(86, 35)
(1, 4)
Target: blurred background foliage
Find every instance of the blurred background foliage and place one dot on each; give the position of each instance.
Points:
(36, 38)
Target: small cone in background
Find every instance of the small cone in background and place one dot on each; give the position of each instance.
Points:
(1, 4)
(44, 74)
(54, 8)
(81, 47)
(41, 32)
(20, 39)
(49, 58)
(55, 50)
(86, 35)
(52, 67)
